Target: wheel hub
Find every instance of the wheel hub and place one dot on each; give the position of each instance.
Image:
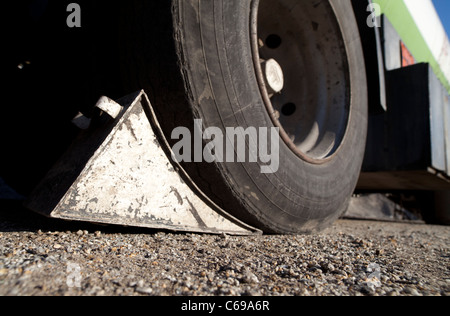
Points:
(302, 70)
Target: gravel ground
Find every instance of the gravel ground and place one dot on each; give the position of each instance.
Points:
(39, 256)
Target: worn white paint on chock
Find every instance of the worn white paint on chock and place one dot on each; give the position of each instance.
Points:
(130, 180)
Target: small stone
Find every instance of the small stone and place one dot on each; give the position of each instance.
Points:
(329, 267)
(144, 290)
(411, 291)
(249, 277)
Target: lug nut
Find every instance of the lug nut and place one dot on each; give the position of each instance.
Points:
(273, 76)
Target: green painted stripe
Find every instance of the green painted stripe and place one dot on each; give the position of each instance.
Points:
(399, 16)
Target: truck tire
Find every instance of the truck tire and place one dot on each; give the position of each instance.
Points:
(221, 51)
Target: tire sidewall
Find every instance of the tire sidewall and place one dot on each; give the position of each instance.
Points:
(216, 58)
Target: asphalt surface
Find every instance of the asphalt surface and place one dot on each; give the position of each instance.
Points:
(39, 256)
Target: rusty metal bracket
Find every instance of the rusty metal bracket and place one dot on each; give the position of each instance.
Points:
(119, 171)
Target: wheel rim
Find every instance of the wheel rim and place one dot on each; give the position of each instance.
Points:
(312, 109)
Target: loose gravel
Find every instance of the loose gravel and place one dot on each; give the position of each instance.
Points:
(46, 257)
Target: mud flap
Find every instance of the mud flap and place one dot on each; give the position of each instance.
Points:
(120, 171)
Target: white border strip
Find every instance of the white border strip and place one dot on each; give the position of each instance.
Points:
(429, 24)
